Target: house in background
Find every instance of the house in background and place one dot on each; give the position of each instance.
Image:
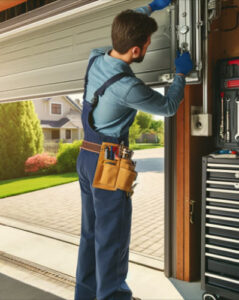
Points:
(60, 118)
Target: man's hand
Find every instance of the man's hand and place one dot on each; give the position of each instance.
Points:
(159, 4)
(183, 63)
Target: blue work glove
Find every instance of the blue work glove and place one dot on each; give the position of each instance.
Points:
(159, 4)
(183, 63)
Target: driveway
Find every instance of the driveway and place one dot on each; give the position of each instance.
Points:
(59, 208)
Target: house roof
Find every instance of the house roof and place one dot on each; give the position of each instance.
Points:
(54, 124)
(73, 103)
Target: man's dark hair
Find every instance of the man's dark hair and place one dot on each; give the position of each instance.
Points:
(131, 28)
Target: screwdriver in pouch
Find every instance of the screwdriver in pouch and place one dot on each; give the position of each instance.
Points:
(106, 153)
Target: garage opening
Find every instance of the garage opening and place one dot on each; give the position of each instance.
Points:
(58, 209)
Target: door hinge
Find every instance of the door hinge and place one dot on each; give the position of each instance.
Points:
(192, 211)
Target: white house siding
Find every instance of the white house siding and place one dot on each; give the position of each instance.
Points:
(47, 134)
(43, 108)
(75, 134)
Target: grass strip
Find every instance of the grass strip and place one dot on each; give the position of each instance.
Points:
(19, 186)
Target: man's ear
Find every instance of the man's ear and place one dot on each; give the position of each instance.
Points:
(136, 51)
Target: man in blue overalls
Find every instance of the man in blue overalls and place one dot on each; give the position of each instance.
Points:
(112, 97)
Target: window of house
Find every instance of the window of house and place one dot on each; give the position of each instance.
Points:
(55, 134)
(68, 134)
(56, 109)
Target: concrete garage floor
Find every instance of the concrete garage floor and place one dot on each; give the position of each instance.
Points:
(49, 254)
(11, 289)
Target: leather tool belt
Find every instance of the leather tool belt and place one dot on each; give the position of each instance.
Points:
(112, 172)
(89, 146)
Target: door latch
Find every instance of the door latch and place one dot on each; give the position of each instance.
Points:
(192, 211)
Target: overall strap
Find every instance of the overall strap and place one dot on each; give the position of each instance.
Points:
(109, 82)
(102, 89)
(87, 72)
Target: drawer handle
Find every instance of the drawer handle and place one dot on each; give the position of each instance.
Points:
(222, 201)
(220, 238)
(223, 182)
(222, 249)
(222, 218)
(236, 185)
(223, 166)
(221, 278)
(222, 227)
(222, 257)
(222, 191)
(233, 210)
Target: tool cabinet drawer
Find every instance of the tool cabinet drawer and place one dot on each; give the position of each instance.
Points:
(221, 268)
(222, 211)
(224, 221)
(227, 174)
(214, 240)
(222, 253)
(218, 192)
(222, 282)
(230, 185)
(223, 203)
(222, 231)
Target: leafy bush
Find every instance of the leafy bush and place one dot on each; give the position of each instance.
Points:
(40, 164)
(67, 156)
(20, 137)
(134, 132)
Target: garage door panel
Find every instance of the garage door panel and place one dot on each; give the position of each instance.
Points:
(33, 92)
(22, 57)
(154, 61)
(53, 57)
(37, 76)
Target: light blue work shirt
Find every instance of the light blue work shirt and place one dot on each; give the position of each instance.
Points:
(117, 108)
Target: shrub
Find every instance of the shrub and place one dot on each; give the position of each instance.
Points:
(67, 156)
(40, 164)
(20, 137)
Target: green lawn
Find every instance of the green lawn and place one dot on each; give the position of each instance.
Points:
(28, 184)
(144, 146)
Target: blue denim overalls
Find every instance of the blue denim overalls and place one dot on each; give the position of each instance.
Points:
(106, 221)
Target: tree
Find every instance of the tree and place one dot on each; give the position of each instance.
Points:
(158, 128)
(20, 137)
(134, 132)
(144, 120)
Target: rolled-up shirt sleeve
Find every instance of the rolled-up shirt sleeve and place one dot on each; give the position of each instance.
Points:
(142, 97)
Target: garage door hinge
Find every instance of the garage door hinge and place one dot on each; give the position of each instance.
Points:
(192, 211)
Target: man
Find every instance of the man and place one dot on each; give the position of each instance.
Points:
(112, 97)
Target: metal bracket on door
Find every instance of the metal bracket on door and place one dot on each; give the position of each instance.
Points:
(192, 211)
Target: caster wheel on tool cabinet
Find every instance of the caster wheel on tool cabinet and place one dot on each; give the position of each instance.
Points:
(207, 296)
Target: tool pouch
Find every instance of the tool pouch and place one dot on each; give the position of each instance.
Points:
(114, 174)
(126, 175)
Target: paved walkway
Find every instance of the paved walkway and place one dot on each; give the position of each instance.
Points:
(59, 208)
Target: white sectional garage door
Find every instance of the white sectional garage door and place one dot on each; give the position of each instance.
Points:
(50, 58)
